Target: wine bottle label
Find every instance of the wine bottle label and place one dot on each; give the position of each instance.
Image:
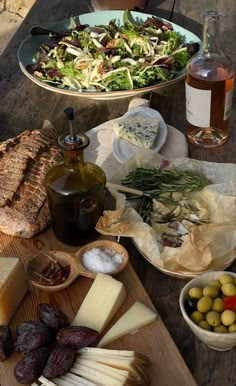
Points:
(228, 104)
(198, 106)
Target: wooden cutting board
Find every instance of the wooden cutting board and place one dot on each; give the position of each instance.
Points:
(153, 340)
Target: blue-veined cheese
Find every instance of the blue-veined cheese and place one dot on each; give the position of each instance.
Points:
(140, 131)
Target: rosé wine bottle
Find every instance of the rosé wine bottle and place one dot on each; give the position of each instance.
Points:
(209, 89)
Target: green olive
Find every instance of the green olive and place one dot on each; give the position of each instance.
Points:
(228, 317)
(226, 278)
(216, 283)
(221, 329)
(232, 328)
(228, 289)
(197, 317)
(218, 305)
(204, 304)
(203, 324)
(195, 292)
(213, 318)
(211, 290)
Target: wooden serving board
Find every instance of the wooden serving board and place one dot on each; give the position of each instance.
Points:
(167, 365)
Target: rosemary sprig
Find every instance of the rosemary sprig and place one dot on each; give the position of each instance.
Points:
(156, 181)
(145, 208)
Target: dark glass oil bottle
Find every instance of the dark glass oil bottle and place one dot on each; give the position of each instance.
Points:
(75, 190)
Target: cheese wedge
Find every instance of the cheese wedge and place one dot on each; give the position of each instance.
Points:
(136, 317)
(13, 287)
(139, 131)
(105, 297)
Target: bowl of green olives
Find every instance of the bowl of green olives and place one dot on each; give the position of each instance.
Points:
(208, 306)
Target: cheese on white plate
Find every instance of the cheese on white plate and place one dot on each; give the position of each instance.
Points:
(13, 287)
(104, 298)
(136, 317)
(141, 132)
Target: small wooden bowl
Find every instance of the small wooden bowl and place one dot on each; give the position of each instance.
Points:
(105, 244)
(75, 261)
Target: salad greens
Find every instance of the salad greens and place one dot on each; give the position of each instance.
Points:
(112, 57)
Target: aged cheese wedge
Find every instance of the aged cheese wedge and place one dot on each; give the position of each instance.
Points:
(13, 287)
(136, 317)
(102, 301)
(139, 131)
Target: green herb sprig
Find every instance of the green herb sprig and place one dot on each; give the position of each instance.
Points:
(156, 181)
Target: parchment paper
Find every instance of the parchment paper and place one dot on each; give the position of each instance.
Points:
(206, 246)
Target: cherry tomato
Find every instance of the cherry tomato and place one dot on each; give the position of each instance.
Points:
(230, 302)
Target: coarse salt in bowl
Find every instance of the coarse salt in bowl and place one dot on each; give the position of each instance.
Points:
(214, 340)
(104, 260)
(104, 256)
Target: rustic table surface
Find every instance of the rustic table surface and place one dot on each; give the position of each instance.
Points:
(25, 105)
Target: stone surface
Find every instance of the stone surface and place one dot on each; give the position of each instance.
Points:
(9, 22)
(19, 7)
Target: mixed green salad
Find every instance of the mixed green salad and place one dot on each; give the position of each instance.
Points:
(112, 57)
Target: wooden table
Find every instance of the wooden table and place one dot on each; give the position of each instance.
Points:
(25, 105)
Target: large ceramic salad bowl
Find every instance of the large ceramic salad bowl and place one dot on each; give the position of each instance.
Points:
(108, 54)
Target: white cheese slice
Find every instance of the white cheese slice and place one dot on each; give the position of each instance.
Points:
(46, 382)
(141, 132)
(133, 362)
(83, 382)
(95, 376)
(120, 374)
(107, 352)
(104, 298)
(13, 287)
(70, 379)
(133, 366)
(136, 317)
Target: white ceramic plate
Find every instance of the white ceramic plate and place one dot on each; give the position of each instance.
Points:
(122, 149)
(31, 44)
